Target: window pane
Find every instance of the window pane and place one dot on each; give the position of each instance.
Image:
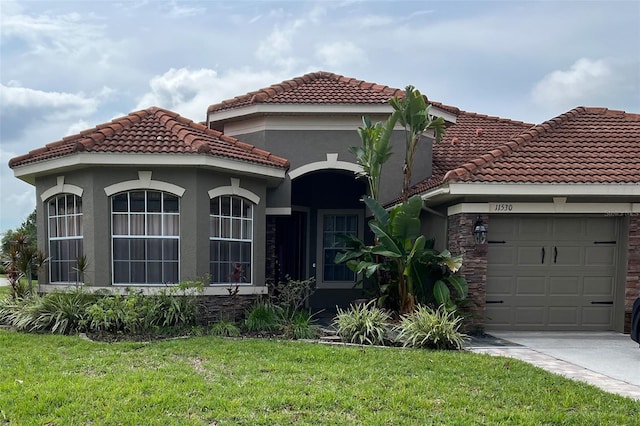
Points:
(225, 206)
(120, 203)
(71, 208)
(138, 275)
(214, 206)
(247, 232)
(236, 226)
(137, 224)
(121, 272)
(52, 207)
(62, 229)
(236, 207)
(170, 272)
(120, 224)
(226, 228)
(53, 229)
(78, 205)
(154, 201)
(170, 249)
(172, 225)
(214, 226)
(154, 224)
(154, 249)
(170, 203)
(137, 201)
(121, 249)
(154, 272)
(248, 211)
(137, 249)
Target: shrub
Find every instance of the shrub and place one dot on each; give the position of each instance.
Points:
(263, 316)
(57, 312)
(362, 323)
(299, 325)
(225, 328)
(117, 313)
(429, 328)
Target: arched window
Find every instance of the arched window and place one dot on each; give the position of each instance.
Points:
(145, 232)
(230, 240)
(64, 222)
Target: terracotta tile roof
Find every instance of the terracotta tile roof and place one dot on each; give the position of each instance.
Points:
(584, 145)
(318, 88)
(153, 130)
(471, 137)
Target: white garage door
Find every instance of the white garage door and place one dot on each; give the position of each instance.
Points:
(551, 273)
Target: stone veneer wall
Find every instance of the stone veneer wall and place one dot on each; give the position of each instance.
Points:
(474, 263)
(230, 308)
(271, 261)
(632, 288)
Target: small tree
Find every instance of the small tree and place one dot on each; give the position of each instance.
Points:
(22, 260)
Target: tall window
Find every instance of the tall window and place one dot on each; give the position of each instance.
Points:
(64, 213)
(230, 239)
(145, 236)
(332, 226)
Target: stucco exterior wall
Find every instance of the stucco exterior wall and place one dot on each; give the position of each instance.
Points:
(303, 147)
(194, 217)
(632, 284)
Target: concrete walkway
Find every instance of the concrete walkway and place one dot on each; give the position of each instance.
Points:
(608, 360)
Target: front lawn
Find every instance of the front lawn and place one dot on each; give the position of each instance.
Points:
(59, 380)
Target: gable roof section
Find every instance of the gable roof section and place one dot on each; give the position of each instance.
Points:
(470, 138)
(153, 131)
(584, 145)
(318, 88)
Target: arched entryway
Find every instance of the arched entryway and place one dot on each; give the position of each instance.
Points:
(324, 204)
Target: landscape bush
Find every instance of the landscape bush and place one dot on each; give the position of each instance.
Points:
(362, 324)
(426, 327)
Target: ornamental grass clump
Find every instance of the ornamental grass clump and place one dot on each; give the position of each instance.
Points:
(432, 329)
(362, 324)
(263, 317)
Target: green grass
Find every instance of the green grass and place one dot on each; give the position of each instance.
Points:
(47, 379)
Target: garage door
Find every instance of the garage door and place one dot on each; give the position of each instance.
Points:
(551, 273)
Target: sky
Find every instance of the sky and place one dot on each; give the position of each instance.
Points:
(66, 66)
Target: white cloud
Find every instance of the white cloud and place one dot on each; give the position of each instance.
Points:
(190, 92)
(340, 53)
(584, 80)
(60, 105)
(18, 198)
(178, 11)
(77, 127)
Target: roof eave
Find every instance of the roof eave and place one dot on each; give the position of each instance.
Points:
(28, 172)
(313, 109)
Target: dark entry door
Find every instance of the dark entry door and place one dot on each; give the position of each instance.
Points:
(291, 241)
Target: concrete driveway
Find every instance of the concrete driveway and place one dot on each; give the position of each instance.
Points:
(608, 360)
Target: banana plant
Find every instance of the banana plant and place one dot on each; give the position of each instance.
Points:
(413, 113)
(374, 151)
(403, 261)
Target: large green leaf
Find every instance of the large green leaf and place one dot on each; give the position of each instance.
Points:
(414, 255)
(379, 212)
(441, 293)
(459, 284)
(386, 241)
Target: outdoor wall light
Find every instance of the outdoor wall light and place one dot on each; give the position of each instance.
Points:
(479, 231)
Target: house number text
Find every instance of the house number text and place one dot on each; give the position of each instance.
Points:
(501, 208)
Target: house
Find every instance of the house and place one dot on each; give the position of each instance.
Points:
(261, 190)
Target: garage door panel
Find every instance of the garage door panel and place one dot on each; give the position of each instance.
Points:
(499, 316)
(530, 286)
(597, 315)
(599, 229)
(502, 256)
(529, 290)
(529, 255)
(568, 229)
(563, 315)
(598, 286)
(501, 286)
(564, 286)
(530, 315)
(566, 255)
(600, 255)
